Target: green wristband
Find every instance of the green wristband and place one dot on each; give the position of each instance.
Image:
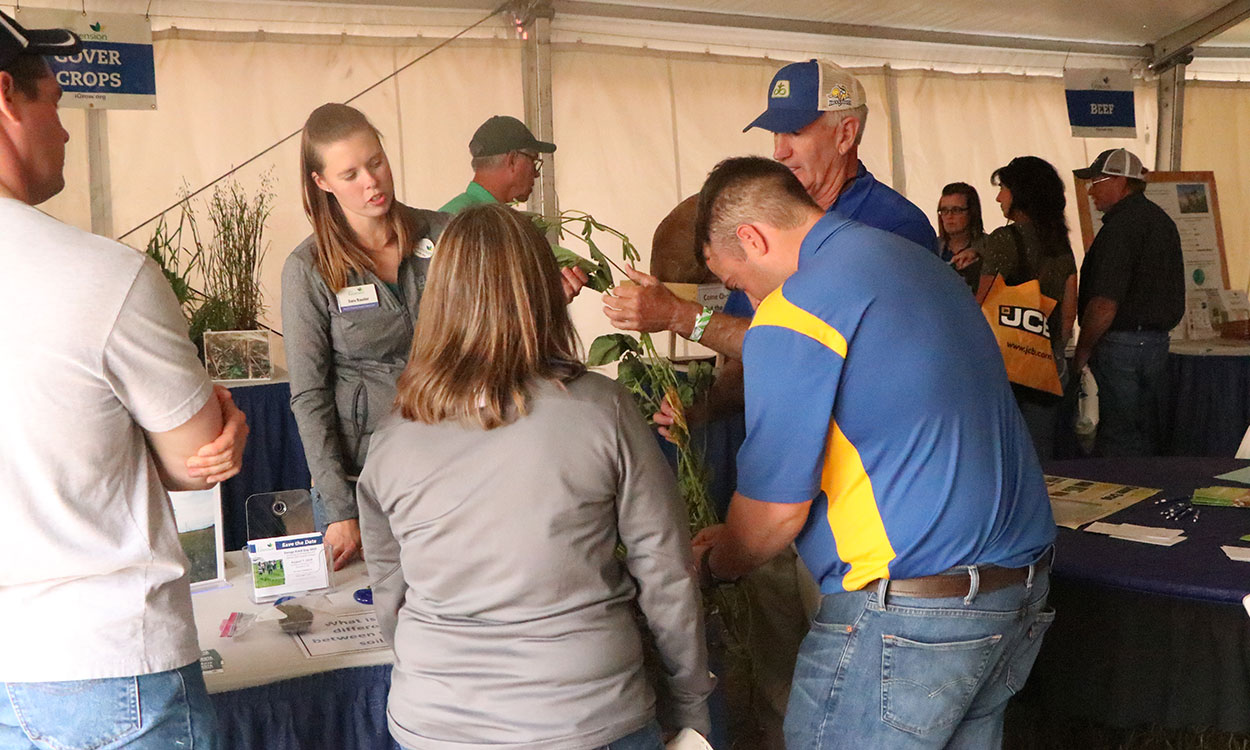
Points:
(700, 324)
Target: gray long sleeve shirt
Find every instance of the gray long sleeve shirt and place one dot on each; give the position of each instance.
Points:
(491, 554)
(344, 365)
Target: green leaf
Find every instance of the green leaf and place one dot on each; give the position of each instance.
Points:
(566, 258)
(700, 376)
(609, 348)
(631, 372)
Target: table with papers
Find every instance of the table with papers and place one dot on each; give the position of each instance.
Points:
(271, 694)
(1150, 628)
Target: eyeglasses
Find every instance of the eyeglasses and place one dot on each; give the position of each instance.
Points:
(952, 210)
(538, 160)
(1101, 179)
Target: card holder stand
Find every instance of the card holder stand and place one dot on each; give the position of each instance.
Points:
(286, 553)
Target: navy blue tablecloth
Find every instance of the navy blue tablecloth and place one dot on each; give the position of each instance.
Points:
(342, 709)
(345, 708)
(1148, 635)
(1208, 404)
(273, 459)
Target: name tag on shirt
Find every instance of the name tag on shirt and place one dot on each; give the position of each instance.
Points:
(357, 297)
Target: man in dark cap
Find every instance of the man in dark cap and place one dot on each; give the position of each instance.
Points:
(106, 407)
(506, 161)
(1132, 293)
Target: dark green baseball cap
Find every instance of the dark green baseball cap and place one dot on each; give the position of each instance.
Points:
(501, 134)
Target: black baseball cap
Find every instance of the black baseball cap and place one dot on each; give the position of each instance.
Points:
(501, 134)
(16, 41)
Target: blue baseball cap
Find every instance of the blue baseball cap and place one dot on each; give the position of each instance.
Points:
(801, 92)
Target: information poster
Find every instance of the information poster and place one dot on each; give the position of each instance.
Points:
(115, 69)
(1076, 502)
(1190, 199)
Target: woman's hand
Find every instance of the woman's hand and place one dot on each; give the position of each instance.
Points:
(964, 258)
(344, 537)
(572, 280)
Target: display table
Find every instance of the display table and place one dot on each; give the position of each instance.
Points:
(1147, 634)
(270, 696)
(1209, 397)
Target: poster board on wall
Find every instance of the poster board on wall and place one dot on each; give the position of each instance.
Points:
(1191, 200)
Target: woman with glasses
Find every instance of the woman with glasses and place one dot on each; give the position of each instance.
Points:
(959, 228)
(492, 505)
(1035, 245)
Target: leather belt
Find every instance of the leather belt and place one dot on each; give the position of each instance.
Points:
(958, 581)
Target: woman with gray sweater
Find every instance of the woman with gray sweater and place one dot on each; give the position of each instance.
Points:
(349, 302)
(492, 503)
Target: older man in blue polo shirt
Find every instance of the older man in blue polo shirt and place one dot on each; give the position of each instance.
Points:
(816, 112)
(883, 439)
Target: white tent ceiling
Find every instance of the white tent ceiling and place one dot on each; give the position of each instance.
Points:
(1075, 24)
(917, 33)
(1132, 22)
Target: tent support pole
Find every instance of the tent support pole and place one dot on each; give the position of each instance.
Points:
(98, 172)
(898, 171)
(1178, 42)
(1171, 119)
(536, 91)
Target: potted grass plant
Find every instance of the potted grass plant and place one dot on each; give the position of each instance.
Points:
(235, 345)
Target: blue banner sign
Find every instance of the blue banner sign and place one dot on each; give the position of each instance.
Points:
(1100, 103)
(115, 69)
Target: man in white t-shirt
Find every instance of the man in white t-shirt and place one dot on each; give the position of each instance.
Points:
(105, 408)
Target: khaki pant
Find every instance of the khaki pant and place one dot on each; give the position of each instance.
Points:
(783, 599)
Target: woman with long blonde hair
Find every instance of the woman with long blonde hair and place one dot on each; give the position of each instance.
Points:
(492, 503)
(350, 295)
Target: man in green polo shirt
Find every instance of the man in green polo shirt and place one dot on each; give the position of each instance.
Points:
(506, 160)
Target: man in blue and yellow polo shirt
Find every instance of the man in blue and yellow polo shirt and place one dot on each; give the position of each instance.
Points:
(882, 438)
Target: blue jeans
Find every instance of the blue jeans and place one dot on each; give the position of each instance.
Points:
(1131, 370)
(162, 711)
(647, 738)
(912, 672)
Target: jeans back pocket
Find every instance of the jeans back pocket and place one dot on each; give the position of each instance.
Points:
(928, 686)
(79, 714)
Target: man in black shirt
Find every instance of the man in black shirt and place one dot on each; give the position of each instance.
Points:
(1132, 293)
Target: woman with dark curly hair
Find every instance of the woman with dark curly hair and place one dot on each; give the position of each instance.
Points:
(1034, 245)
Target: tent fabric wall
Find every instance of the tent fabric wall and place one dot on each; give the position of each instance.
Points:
(204, 128)
(1217, 138)
(637, 129)
(960, 128)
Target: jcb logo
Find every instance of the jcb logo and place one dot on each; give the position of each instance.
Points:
(1025, 318)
